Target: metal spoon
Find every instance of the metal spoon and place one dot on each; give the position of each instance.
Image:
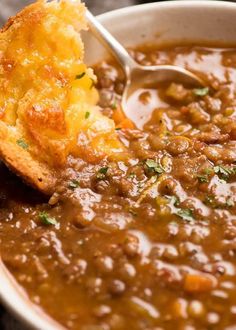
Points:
(138, 75)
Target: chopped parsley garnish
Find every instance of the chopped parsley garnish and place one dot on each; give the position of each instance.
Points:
(140, 185)
(203, 178)
(131, 211)
(118, 128)
(73, 184)
(224, 171)
(103, 170)
(210, 200)
(101, 174)
(46, 219)
(229, 202)
(114, 106)
(22, 144)
(208, 171)
(87, 114)
(174, 201)
(186, 214)
(81, 75)
(154, 166)
(201, 91)
(131, 176)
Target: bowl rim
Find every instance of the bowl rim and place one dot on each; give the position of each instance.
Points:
(219, 4)
(22, 308)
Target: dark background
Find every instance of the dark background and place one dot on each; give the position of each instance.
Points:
(10, 7)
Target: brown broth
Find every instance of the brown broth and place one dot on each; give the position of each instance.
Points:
(149, 242)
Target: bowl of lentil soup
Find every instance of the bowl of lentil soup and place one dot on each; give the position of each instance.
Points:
(150, 241)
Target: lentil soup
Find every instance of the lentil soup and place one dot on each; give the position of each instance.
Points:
(148, 241)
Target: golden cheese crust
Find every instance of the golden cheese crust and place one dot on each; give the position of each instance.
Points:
(47, 97)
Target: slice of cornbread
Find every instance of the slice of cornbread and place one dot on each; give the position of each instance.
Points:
(47, 96)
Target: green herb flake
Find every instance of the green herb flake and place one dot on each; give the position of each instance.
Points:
(118, 128)
(131, 176)
(203, 178)
(224, 171)
(140, 185)
(229, 202)
(174, 200)
(80, 76)
(22, 144)
(114, 106)
(101, 174)
(131, 211)
(46, 219)
(210, 201)
(87, 114)
(154, 166)
(208, 170)
(73, 184)
(201, 91)
(186, 214)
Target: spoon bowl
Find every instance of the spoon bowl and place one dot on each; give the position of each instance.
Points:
(138, 76)
(141, 76)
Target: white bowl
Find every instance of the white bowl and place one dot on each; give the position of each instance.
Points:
(211, 22)
(195, 22)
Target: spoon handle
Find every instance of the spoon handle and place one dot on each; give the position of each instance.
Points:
(111, 44)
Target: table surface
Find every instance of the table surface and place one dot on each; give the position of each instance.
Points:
(7, 9)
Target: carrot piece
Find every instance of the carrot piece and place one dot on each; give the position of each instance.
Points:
(126, 123)
(195, 283)
(118, 115)
(121, 120)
